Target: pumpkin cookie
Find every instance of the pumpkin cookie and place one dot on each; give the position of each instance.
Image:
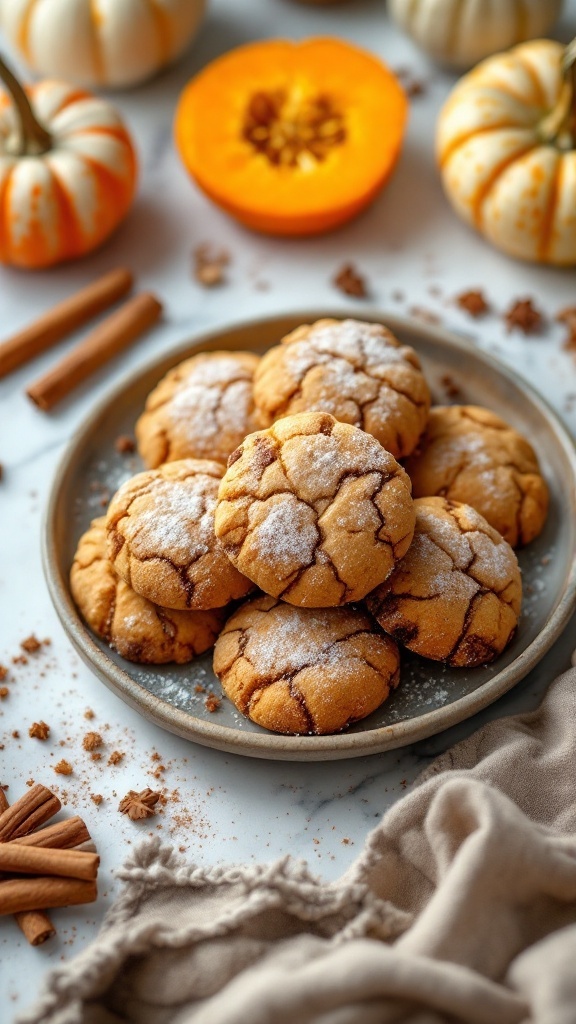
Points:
(304, 670)
(139, 630)
(469, 454)
(202, 409)
(456, 595)
(356, 371)
(161, 540)
(314, 511)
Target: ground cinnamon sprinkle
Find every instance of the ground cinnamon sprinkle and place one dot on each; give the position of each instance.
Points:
(31, 644)
(3, 673)
(524, 316)
(4, 692)
(125, 445)
(350, 281)
(473, 302)
(199, 689)
(115, 757)
(89, 714)
(92, 741)
(95, 756)
(15, 735)
(39, 731)
(63, 767)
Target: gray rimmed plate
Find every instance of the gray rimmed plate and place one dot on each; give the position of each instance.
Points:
(431, 697)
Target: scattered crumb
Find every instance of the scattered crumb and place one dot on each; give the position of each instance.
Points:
(89, 714)
(3, 673)
(39, 731)
(212, 703)
(96, 798)
(139, 805)
(115, 757)
(199, 689)
(473, 302)
(450, 386)
(210, 264)
(92, 741)
(346, 842)
(524, 316)
(125, 445)
(31, 644)
(63, 767)
(95, 756)
(4, 692)
(15, 735)
(29, 782)
(350, 281)
(568, 317)
(20, 659)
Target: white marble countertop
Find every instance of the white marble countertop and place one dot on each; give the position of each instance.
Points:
(408, 244)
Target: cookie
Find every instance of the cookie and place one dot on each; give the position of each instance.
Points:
(314, 511)
(202, 409)
(469, 454)
(356, 371)
(161, 539)
(139, 630)
(304, 670)
(456, 595)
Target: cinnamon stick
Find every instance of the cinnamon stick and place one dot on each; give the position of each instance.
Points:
(35, 926)
(64, 318)
(34, 807)
(63, 835)
(110, 338)
(43, 860)
(22, 894)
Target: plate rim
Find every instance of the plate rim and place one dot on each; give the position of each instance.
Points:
(270, 745)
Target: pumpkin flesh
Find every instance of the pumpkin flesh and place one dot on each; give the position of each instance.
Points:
(292, 138)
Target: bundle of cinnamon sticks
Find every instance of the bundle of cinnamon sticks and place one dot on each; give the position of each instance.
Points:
(43, 868)
(132, 319)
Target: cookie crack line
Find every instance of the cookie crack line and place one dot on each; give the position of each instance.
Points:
(465, 626)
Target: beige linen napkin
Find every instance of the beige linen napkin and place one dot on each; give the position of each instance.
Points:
(462, 907)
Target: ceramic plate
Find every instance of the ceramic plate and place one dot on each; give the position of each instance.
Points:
(431, 697)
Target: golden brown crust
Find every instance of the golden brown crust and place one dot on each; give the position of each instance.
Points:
(314, 511)
(202, 409)
(469, 454)
(456, 595)
(304, 670)
(161, 539)
(356, 371)
(139, 630)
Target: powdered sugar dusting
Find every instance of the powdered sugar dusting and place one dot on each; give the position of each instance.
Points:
(355, 344)
(214, 398)
(296, 637)
(178, 521)
(286, 537)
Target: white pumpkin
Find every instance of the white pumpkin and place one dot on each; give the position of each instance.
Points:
(506, 145)
(459, 33)
(100, 42)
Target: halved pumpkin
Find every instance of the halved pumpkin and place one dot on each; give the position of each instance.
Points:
(292, 138)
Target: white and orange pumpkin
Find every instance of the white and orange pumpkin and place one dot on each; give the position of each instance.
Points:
(67, 172)
(100, 42)
(506, 146)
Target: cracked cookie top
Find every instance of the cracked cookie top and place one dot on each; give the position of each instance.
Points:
(356, 371)
(139, 630)
(456, 595)
(161, 539)
(202, 409)
(314, 511)
(469, 454)
(304, 670)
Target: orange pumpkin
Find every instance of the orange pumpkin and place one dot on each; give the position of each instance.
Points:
(292, 138)
(67, 172)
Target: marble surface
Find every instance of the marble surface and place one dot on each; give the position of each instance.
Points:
(415, 255)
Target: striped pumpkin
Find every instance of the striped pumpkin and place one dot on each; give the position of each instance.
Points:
(459, 33)
(67, 179)
(506, 148)
(100, 42)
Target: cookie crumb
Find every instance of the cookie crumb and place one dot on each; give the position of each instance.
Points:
(89, 714)
(139, 805)
(199, 689)
(524, 316)
(212, 703)
(450, 386)
(125, 445)
(96, 798)
(115, 757)
(473, 302)
(92, 741)
(349, 281)
(31, 644)
(15, 735)
(39, 731)
(63, 767)
(19, 659)
(210, 264)
(3, 673)
(4, 692)
(95, 756)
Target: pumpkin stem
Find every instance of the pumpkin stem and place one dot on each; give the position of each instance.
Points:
(559, 127)
(31, 138)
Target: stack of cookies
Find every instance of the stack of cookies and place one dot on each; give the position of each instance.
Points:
(283, 475)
